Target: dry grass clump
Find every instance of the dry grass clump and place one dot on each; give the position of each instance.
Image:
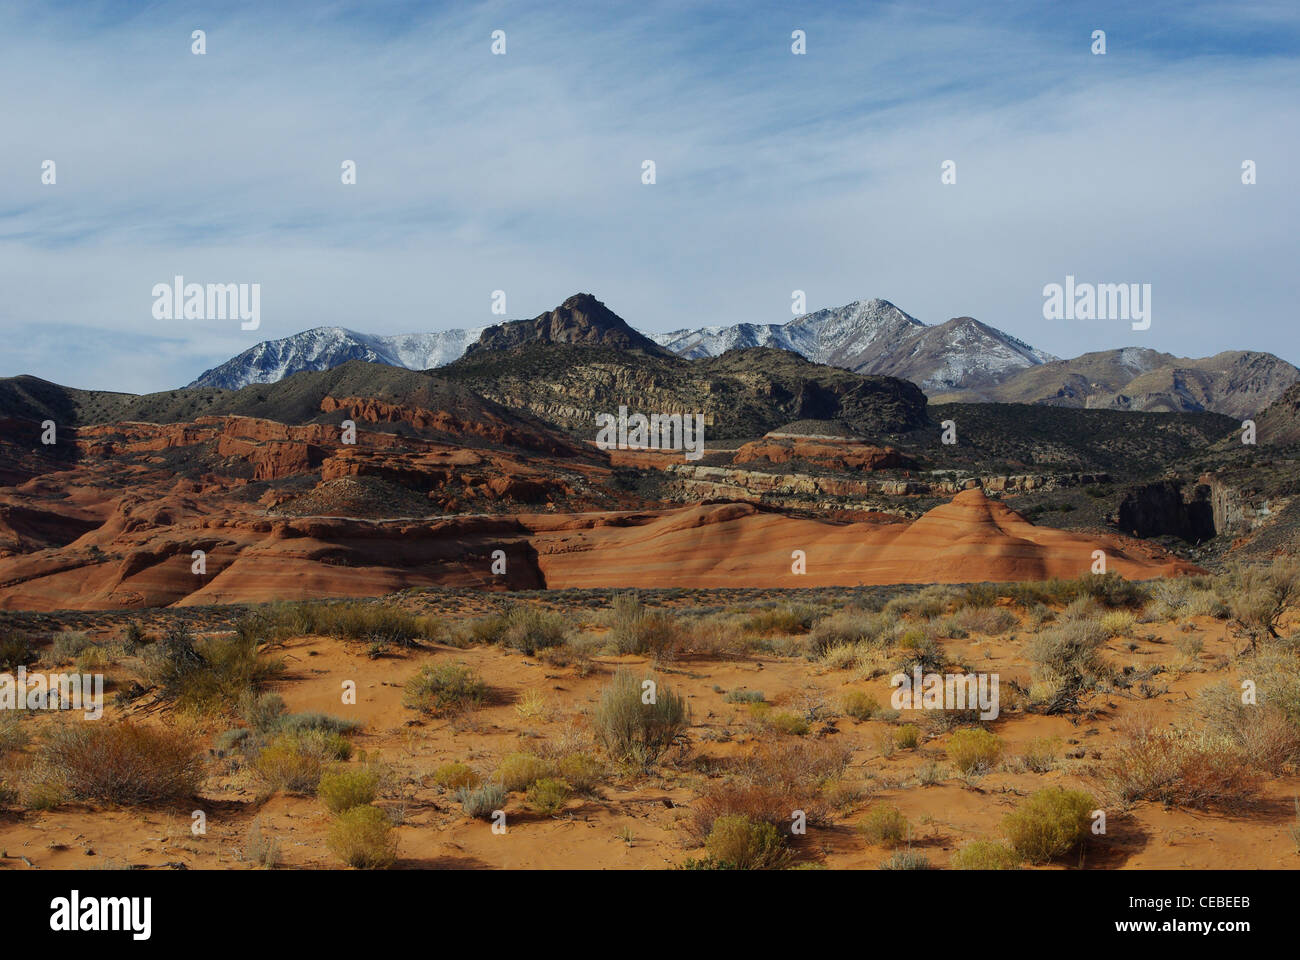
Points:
(1180, 768)
(122, 763)
(1261, 596)
(859, 704)
(772, 783)
(1266, 727)
(529, 629)
(1117, 623)
(1040, 755)
(781, 721)
(849, 629)
(362, 837)
(207, 675)
(1109, 589)
(638, 718)
(988, 621)
(973, 750)
(1181, 597)
(985, 855)
(907, 860)
(445, 689)
(927, 602)
(1066, 659)
(791, 618)
(1051, 823)
(375, 623)
(16, 649)
(635, 628)
(885, 826)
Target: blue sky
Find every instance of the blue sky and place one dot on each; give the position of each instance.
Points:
(521, 172)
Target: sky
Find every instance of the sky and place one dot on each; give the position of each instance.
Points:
(522, 172)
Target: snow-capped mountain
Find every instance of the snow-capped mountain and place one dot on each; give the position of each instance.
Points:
(323, 348)
(866, 336)
(874, 336)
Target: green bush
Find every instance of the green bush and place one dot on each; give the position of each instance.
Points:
(1049, 824)
(343, 789)
(907, 736)
(209, 675)
(907, 860)
(519, 771)
(633, 731)
(738, 843)
(454, 776)
(985, 855)
(363, 838)
(859, 704)
(972, 750)
(448, 688)
(549, 795)
(885, 826)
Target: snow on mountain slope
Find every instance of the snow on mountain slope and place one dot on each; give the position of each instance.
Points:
(323, 348)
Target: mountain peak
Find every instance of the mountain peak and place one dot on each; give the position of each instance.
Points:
(581, 319)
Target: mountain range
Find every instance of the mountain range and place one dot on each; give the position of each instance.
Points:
(960, 360)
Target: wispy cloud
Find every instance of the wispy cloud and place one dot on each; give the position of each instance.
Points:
(775, 172)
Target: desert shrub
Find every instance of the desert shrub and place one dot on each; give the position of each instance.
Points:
(549, 795)
(16, 649)
(907, 736)
(907, 860)
(134, 637)
(259, 848)
(885, 826)
(295, 762)
(1049, 824)
(716, 637)
(978, 595)
(1040, 754)
(121, 763)
(1082, 607)
(1190, 646)
(784, 721)
(973, 750)
(737, 843)
(841, 656)
(740, 695)
(771, 782)
(346, 788)
(444, 689)
(859, 704)
(489, 629)
(13, 735)
(1069, 655)
(260, 711)
(67, 645)
(315, 720)
(632, 731)
(640, 630)
(848, 628)
(530, 629)
(362, 837)
(519, 771)
(1267, 731)
(793, 618)
(1262, 595)
(209, 675)
(927, 602)
(990, 621)
(453, 776)
(481, 802)
(1117, 623)
(582, 771)
(351, 620)
(985, 855)
(1179, 768)
(919, 650)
